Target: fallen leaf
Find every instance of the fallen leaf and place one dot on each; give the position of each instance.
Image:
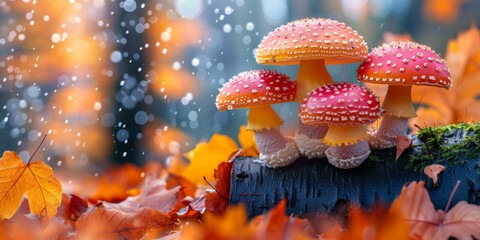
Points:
(432, 171)
(115, 183)
(206, 157)
(105, 224)
(233, 225)
(402, 143)
(334, 233)
(218, 201)
(72, 206)
(461, 222)
(276, 225)
(154, 195)
(32, 227)
(247, 142)
(34, 179)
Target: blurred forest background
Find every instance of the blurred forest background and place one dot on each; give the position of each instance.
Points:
(132, 81)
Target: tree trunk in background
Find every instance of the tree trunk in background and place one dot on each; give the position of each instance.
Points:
(315, 185)
(129, 65)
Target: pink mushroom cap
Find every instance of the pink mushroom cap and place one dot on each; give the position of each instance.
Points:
(340, 104)
(405, 64)
(256, 88)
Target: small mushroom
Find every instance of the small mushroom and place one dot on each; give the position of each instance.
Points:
(346, 108)
(312, 43)
(257, 90)
(401, 65)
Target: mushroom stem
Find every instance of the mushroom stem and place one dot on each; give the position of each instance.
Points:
(390, 128)
(269, 141)
(312, 131)
(309, 140)
(345, 135)
(263, 117)
(348, 156)
(398, 101)
(311, 75)
(399, 108)
(275, 149)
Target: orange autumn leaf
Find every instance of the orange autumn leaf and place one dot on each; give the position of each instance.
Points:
(140, 223)
(206, 157)
(34, 179)
(233, 225)
(402, 143)
(460, 103)
(380, 224)
(276, 225)
(247, 142)
(218, 201)
(461, 222)
(115, 183)
(432, 171)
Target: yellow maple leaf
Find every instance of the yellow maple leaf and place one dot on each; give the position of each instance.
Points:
(247, 142)
(206, 157)
(34, 179)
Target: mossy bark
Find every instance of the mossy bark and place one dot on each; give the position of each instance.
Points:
(312, 185)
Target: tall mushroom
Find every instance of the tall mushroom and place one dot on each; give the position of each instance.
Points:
(346, 108)
(312, 43)
(257, 90)
(401, 65)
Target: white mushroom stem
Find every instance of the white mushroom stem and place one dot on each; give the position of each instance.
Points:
(311, 75)
(399, 108)
(348, 156)
(390, 128)
(275, 149)
(309, 140)
(269, 141)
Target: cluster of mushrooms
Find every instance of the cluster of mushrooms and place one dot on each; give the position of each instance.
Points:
(334, 116)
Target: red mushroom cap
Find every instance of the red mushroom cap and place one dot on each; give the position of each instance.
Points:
(256, 88)
(308, 39)
(404, 64)
(340, 104)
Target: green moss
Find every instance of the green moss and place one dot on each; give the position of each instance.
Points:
(435, 150)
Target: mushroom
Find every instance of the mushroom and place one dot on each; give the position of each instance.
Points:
(257, 90)
(312, 43)
(401, 65)
(347, 109)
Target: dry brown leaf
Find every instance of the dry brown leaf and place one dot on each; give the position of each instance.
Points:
(154, 195)
(461, 222)
(402, 143)
(105, 224)
(34, 179)
(432, 171)
(219, 200)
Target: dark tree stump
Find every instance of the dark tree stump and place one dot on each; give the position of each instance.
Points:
(312, 185)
